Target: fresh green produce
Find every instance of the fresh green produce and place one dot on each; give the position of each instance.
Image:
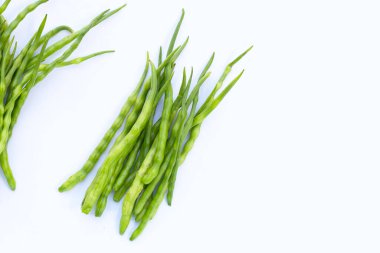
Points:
(144, 159)
(20, 72)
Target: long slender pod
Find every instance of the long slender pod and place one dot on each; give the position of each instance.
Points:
(4, 135)
(99, 150)
(4, 154)
(122, 149)
(159, 196)
(163, 133)
(20, 17)
(68, 39)
(187, 126)
(222, 78)
(4, 6)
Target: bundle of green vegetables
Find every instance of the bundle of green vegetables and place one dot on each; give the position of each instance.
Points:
(142, 163)
(21, 70)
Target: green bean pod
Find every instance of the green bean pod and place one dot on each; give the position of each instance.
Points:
(4, 154)
(99, 150)
(119, 194)
(159, 196)
(215, 102)
(151, 173)
(148, 191)
(135, 189)
(16, 92)
(182, 137)
(102, 201)
(4, 6)
(20, 17)
(140, 215)
(122, 149)
(222, 78)
(7, 170)
(128, 165)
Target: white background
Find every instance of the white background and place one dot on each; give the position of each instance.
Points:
(289, 162)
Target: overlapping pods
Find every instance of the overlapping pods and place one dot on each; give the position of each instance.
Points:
(20, 72)
(143, 162)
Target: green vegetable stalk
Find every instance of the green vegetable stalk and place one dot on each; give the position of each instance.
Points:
(143, 162)
(19, 73)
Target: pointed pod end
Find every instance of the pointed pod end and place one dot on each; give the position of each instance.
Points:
(133, 237)
(44, 20)
(61, 189)
(240, 57)
(169, 200)
(13, 186)
(183, 12)
(85, 208)
(122, 229)
(98, 213)
(121, 7)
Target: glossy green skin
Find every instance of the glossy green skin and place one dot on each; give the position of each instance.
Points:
(3, 85)
(123, 183)
(135, 99)
(201, 115)
(138, 217)
(195, 126)
(102, 201)
(194, 133)
(6, 121)
(157, 198)
(223, 78)
(156, 175)
(135, 189)
(4, 6)
(149, 189)
(79, 60)
(53, 32)
(20, 73)
(18, 89)
(143, 163)
(21, 57)
(152, 172)
(182, 137)
(20, 17)
(122, 167)
(151, 157)
(122, 149)
(145, 208)
(162, 188)
(131, 119)
(209, 105)
(7, 170)
(44, 72)
(175, 34)
(18, 61)
(99, 150)
(120, 193)
(11, 56)
(175, 132)
(4, 154)
(68, 39)
(128, 165)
